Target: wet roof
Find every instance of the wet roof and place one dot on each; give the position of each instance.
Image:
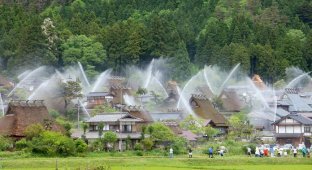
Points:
(112, 117)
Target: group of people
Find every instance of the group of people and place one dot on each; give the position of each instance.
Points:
(266, 152)
(190, 152)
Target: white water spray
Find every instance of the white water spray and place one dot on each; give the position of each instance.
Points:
(83, 74)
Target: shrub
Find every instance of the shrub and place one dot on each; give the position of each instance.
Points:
(139, 153)
(179, 145)
(138, 147)
(97, 145)
(147, 143)
(33, 130)
(53, 144)
(21, 144)
(81, 146)
(54, 113)
(5, 143)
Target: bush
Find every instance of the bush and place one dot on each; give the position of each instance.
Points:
(33, 130)
(81, 146)
(21, 144)
(139, 153)
(179, 146)
(138, 147)
(54, 113)
(5, 143)
(97, 145)
(147, 143)
(53, 144)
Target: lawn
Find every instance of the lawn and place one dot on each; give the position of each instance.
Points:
(156, 163)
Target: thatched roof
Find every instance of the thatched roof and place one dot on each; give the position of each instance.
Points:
(204, 109)
(258, 82)
(231, 101)
(5, 82)
(21, 114)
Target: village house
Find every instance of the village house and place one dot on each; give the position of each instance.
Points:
(204, 109)
(293, 129)
(122, 123)
(98, 98)
(23, 113)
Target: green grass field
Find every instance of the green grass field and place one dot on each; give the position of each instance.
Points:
(157, 163)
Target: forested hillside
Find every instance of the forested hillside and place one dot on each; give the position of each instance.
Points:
(265, 36)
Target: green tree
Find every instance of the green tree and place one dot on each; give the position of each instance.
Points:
(210, 132)
(33, 130)
(71, 90)
(193, 124)
(109, 138)
(100, 128)
(85, 50)
(160, 132)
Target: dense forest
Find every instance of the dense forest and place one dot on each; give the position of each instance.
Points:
(265, 36)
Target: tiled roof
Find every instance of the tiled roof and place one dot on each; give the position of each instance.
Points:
(190, 136)
(160, 116)
(112, 117)
(301, 119)
(95, 135)
(298, 103)
(98, 94)
(288, 135)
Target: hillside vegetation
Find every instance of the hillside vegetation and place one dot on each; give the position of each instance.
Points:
(265, 36)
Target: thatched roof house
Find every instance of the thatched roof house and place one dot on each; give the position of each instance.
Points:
(203, 108)
(21, 114)
(5, 82)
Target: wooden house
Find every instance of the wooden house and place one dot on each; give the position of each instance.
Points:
(98, 98)
(21, 114)
(122, 123)
(204, 109)
(293, 129)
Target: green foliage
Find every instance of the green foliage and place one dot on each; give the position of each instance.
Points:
(138, 147)
(193, 124)
(102, 108)
(110, 137)
(71, 90)
(179, 145)
(33, 130)
(21, 144)
(147, 143)
(160, 132)
(50, 143)
(100, 128)
(240, 127)
(210, 132)
(54, 113)
(81, 146)
(5, 143)
(112, 34)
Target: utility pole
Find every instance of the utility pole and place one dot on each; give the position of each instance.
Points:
(78, 113)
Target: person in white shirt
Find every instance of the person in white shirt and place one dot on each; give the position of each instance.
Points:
(171, 153)
(295, 151)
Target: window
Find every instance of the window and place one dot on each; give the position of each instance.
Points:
(307, 129)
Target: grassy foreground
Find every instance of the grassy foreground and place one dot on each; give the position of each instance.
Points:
(156, 163)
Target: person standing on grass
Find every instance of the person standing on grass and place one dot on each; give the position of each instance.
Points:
(210, 152)
(257, 152)
(272, 151)
(221, 152)
(304, 151)
(295, 152)
(171, 153)
(190, 153)
(248, 151)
